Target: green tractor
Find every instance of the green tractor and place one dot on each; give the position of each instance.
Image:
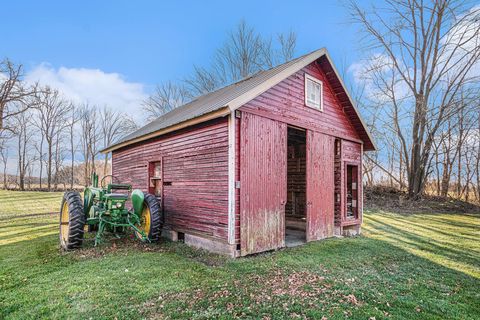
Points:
(104, 209)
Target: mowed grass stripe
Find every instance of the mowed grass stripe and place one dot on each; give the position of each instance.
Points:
(403, 267)
(28, 202)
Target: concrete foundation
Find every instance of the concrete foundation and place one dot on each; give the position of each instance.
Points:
(203, 243)
(211, 245)
(351, 231)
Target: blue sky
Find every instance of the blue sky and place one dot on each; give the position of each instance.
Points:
(148, 42)
(113, 53)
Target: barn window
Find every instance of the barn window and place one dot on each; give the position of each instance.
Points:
(352, 192)
(313, 92)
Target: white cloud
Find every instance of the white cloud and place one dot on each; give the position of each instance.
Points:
(92, 86)
(369, 72)
(462, 42)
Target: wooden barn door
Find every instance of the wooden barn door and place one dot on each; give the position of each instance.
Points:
(263, 183)
(320, 186)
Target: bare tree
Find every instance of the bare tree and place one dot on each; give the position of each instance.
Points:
(428, 51)
(23, 134)
(90, 137)
(40, 157)
(167, 96)
(13, 92)
(4, 159)
(113, 125)
(52, 120)
(75, 116)
(476, 137)
(244, 53)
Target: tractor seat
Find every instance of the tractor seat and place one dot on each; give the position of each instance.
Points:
(116, 196)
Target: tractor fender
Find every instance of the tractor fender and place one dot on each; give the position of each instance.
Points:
(137, 201)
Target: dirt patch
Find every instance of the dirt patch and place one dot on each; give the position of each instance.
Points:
(114, 245)
(394, 200)
(128, 243)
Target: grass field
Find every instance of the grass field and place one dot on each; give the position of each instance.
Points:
(423, 266)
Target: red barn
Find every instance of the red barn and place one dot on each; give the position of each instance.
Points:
(269, 161)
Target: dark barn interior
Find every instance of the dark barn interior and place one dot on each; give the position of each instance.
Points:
(295, 209)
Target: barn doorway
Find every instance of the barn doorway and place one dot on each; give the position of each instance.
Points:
(295, 208)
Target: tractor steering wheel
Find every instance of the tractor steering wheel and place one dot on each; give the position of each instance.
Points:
(114, 180)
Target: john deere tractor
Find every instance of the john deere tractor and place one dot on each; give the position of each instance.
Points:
(104, 209)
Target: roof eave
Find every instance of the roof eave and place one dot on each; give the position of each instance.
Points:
(187, 123)
(372, 141)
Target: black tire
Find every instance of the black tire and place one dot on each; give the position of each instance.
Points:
(71, 231)
(155, 217)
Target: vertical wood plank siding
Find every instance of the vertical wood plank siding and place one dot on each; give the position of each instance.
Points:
(285, 102)
(195, 172)
(320, 185)
(263, 180)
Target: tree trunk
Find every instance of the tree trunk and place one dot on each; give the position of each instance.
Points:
(41, 162)
(49, 167)
(5, 176)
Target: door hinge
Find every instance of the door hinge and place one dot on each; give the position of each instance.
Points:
(237, 184)
(238, 114)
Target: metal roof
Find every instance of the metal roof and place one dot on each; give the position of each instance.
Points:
(229, 98)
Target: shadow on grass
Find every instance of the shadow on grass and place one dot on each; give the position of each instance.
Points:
(10, 217)
(450, 253)
(318, 279)
(467, 236)
(456, 223)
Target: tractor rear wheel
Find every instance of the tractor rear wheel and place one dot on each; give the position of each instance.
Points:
(151, 219)
(72, 221)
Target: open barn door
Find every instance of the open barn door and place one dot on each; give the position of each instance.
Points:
(263, 183)
(320, 186)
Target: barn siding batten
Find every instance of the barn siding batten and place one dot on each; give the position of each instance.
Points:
(231, 176)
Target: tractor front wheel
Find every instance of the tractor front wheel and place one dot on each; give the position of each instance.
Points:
(151, 218)
(72, 221)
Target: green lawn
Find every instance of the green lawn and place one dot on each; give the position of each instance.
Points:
(28, 202)
(424, 266)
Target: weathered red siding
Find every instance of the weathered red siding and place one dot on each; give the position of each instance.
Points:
(195, 176)
(320, 185)
(195, 167)
(352, 154)
(263, 183)
(286, 102)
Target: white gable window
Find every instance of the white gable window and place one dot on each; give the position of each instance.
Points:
(313, 92)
